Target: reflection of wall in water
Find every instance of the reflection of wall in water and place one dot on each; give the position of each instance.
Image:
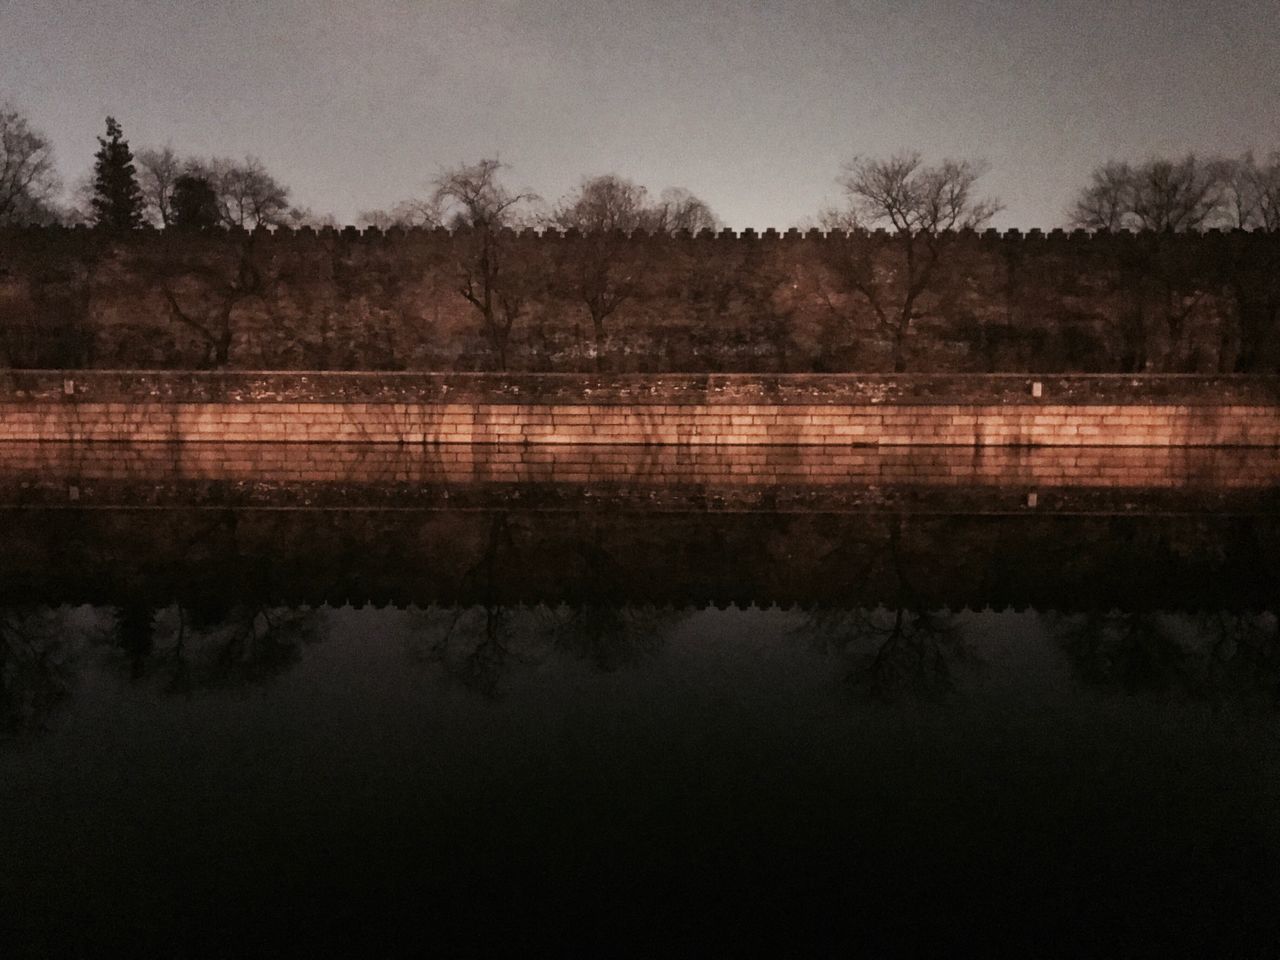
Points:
(768, 479)
(206, 556)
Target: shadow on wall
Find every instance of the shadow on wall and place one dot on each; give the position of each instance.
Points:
(755, 303)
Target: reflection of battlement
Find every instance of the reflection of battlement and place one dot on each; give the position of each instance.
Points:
(939, 479)
(507, 554)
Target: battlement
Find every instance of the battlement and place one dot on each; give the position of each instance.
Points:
(420, 235)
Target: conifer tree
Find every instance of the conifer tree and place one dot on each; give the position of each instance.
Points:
(117, 199)
(194, 204)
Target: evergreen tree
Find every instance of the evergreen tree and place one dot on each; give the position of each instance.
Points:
(193, 205)
(117, 199)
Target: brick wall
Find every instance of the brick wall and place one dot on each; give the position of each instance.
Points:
(610, 467)
(833, 410)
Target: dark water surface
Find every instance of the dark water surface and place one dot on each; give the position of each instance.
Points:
(571, 720)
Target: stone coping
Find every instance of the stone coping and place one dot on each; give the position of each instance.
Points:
(222, 386)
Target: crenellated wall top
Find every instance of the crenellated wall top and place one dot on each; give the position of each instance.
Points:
(421, 235)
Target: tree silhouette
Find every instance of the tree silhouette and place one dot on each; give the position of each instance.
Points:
(37, 660)
(604, 211)
(117, 198)
(1224, 658)
(896, 651)
(472, 200)
(247, 195)
(602, 267)
(918, 204)
(158, 173)
(1164, 277)
(206, 287)
(193, 205)
(28, 181)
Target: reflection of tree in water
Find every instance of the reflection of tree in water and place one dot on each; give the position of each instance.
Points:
(37, 660)
(474, 643)
(599, 628)
(610, 636)
(890, 651)
(477, 643)
(205, 639)
(1222, 658)
(40, 649)
(209, 646)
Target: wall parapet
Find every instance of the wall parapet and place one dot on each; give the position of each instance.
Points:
(377, 235)
(768, 302)
(225, 386)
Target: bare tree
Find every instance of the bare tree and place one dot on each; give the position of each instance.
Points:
(602, 268)
(207, 285)
(604, 210)
(204, 296)
(918, 204)
(204, 288)
(1159, 194)
(405, 214)
(248, 196)
(297, 217)
(602, 204)
(677, 209)
(471, 200)
(1266, 192)
(470, 196)
(1250, 269)
(1252, 192)
(1106, 202)
(158, 173)
(1162, 197)
(1173, 195)
(28, 181)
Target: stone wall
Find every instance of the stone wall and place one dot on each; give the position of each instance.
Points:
(763, 303)
(832, 410)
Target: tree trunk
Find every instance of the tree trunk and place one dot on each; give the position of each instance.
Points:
(900, 348)
(597, 324)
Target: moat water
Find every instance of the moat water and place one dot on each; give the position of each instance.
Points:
(874, 719)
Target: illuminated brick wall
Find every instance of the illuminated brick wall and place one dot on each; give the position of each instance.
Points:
(695, 410)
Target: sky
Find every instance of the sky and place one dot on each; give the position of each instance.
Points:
(752, 104)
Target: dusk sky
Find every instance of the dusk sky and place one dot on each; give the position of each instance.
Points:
(752, 105)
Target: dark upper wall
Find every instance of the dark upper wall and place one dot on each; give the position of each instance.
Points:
(772, 302)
